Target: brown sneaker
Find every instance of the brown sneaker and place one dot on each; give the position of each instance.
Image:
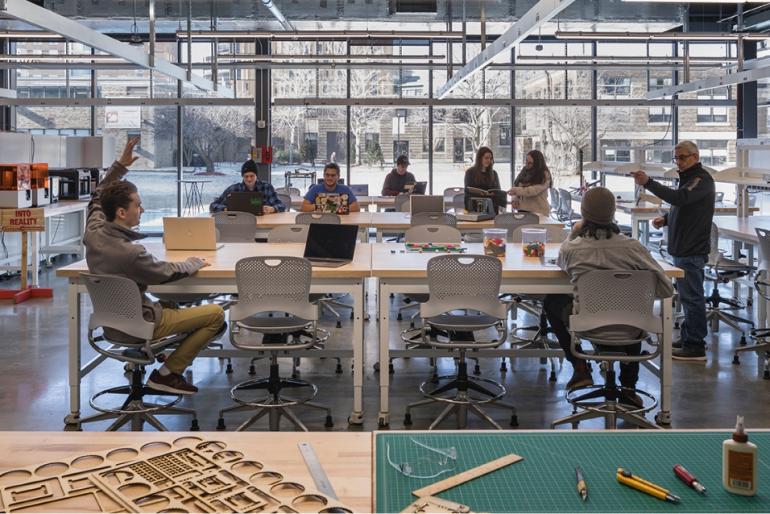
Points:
(580, 379)
(171, 383)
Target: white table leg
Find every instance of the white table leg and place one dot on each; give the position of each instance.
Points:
(357, 416)
(73, 361)
(35, 259)
(379, 235)
(383, 299)
(664, 416)
(634, 227)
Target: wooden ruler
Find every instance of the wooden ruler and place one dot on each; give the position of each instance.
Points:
(467, 476)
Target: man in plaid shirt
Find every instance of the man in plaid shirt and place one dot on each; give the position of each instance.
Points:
(250, 183)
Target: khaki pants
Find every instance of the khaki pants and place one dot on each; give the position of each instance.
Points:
(202, 323)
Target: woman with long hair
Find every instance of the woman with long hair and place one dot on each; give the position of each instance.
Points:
(530, 188)
(482, 175)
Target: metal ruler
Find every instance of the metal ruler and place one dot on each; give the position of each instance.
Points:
(316, 470)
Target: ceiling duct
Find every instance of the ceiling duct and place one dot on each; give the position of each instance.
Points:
(414, 7)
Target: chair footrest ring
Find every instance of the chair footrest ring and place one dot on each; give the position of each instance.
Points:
(598, 404)
(116, 390)
(497, 392)
(271, 400)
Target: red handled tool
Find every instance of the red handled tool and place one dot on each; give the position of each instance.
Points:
(688, 479)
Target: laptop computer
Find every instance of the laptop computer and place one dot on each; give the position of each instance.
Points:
(330, 246)
(246, 201)
(190, 234)
(332, 202)
(426, 203)
(360, 189)
(416, 188)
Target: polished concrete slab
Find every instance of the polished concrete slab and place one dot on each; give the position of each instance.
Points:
(34, 390)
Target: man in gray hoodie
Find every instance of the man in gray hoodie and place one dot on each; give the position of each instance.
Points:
(115, 209)
(597, 244)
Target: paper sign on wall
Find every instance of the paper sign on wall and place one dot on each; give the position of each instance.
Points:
(22, 220)
(122, 117)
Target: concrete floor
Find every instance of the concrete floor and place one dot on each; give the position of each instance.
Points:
(34, 390)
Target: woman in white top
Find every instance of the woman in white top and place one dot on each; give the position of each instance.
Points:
(530, 188)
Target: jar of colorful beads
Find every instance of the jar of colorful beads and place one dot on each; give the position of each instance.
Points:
(494, 241)
(533, 242)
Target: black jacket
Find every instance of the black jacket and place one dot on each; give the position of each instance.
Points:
(692, 211)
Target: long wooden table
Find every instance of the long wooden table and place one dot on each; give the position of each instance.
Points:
(220, 277)
(646, 211)
(379, 202)
(269, 221)
(401, 272)
(345, 457)
(401, 221)
(743, 231)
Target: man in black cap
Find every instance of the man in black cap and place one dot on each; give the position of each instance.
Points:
(398, 178)
(597, 244)
(250, 182)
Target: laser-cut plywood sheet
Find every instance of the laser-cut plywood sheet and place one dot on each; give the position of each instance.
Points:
(188, 475)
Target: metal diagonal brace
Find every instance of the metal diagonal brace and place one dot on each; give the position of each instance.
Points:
(541, 12)
(34, 15)
(712, 82)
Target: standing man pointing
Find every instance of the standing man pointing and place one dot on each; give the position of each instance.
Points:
(689, 237)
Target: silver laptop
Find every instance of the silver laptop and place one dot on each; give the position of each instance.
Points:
(426, 203)
(190, 234)
(330, 246)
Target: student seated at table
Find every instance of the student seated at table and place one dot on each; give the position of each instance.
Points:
(597, 244)
(115, 209)
(398, 178)
(250, 182)
(330, 196)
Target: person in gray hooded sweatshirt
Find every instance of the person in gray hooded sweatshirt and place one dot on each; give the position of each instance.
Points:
(597, 244)
(115, 209)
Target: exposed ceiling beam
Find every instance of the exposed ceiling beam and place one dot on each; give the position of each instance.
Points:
(541, 12)
(712, 82)
(286, 24)
(34, 15)
(367, 102)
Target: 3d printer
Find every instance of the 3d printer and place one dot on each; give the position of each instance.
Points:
(15, 186)
(74, 184)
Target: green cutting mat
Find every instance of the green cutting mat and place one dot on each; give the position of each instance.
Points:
(545, 480)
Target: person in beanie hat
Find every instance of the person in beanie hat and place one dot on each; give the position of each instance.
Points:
(250, 182)
(597, 244)
(398, 178)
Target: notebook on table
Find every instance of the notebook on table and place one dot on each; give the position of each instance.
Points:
(246, 201)
(330, 246)
(190, 234)
(332, 202)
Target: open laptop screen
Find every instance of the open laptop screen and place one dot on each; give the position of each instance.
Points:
(245, 201)
(327, 241)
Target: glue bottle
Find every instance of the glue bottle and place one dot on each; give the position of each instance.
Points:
(739, 462)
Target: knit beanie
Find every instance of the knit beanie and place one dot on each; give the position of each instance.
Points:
(249, 167)
(598, 206)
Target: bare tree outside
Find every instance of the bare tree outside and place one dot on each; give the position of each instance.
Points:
(363, 119)
(475, 122)
(208, 131)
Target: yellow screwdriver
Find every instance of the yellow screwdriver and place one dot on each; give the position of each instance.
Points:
(638, 483)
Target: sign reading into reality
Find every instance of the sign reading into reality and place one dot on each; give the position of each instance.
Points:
(22, 220)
